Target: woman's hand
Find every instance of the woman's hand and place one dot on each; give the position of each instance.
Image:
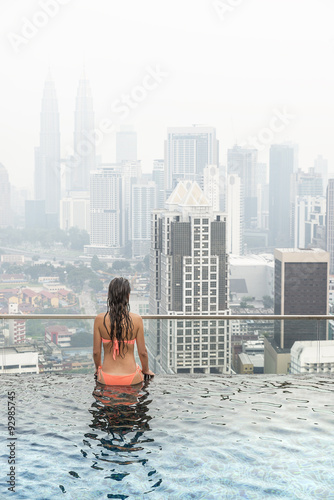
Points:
(149, 372)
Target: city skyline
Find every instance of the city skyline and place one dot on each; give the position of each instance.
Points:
(245, 102)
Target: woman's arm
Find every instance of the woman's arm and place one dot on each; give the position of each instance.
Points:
(142, 351)
(97, 344)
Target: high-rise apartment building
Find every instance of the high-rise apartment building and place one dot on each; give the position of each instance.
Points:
(106, 236)
(243, 162)
(281, 167)
(5, 205)
(143, 203)
(235, 220)
(158, 176)
(321, 167)
(330, 223)
(75, 211)
(187, 151)
(189, 268)
(84, 160)
(47, 155)
(301, 288)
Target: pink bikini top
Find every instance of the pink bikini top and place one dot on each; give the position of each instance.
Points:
(116, 345)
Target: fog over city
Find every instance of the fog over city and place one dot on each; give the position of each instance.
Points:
(228, 64)
(167, 249)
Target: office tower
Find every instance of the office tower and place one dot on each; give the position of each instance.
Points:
(321, 167)
(281, 169)
(5, 205)
(212, 185)
(35, 217)
(84, 160)
(310, 217)
(126, 145)
(143, 203)
(106, 236)
(131, 172)
(188, 150)
(301, 288)
(243, 162)
(47, 155)
(188, 264)
(234, 215)
(308, 183)
(75, 211)
(330, 223)
(158, 176)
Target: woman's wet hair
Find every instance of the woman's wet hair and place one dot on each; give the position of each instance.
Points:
(118, 309)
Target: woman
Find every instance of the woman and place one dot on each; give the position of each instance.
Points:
(118, 330)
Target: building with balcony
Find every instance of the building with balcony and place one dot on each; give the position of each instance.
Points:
(189, 267)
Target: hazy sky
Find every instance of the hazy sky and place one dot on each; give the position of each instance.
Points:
(237, 65)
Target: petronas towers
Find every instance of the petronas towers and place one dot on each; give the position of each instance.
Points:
(49, 180)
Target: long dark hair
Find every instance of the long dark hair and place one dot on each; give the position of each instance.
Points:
(118, 308)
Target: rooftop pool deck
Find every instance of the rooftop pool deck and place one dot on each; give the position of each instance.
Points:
(177, 437)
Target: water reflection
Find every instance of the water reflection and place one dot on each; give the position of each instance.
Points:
(121, 423)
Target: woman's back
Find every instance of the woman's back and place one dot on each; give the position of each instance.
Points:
(118, 330)
(118, 355)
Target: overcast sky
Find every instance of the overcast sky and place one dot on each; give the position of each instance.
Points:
(238, 65)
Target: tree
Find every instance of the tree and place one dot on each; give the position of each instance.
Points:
(96, 284)
(267, 302)
(119, 265)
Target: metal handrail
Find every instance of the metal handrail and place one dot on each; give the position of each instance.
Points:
(266, 317)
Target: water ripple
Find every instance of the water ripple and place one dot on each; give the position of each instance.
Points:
(201, 437)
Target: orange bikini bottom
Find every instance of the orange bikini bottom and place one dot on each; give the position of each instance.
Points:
(118, 379)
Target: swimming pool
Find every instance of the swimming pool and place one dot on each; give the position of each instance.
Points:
(179, 437)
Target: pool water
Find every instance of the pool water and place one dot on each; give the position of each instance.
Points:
(177, 437)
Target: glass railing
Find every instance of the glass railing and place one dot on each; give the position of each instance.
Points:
(213, 344)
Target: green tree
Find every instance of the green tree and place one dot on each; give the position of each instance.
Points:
(121, 265)
(267, 302)
(96, 284)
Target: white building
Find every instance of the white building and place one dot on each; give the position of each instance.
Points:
(20, 359)
(106, 215)
(75, 211)
(188, 151)
(310, 212)
(143, 203)
(17, 327)
(189, 276)
(312, 356)
(212, 185)
(251, 275)
(234, 215)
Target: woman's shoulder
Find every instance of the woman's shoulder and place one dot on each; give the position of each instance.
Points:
(135, 316)
(100, 317)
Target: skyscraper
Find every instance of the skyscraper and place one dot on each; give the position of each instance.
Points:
(321, 167)
(188, 265)
(47, 155)
(126, 145)
(158, 176)
(188, 151)
(330, 223)
(280, 203)
(243, 162)
(143, 203)
(5, 205)
(84, 138)
(301, 288)
(106, 213)
(234, 215)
